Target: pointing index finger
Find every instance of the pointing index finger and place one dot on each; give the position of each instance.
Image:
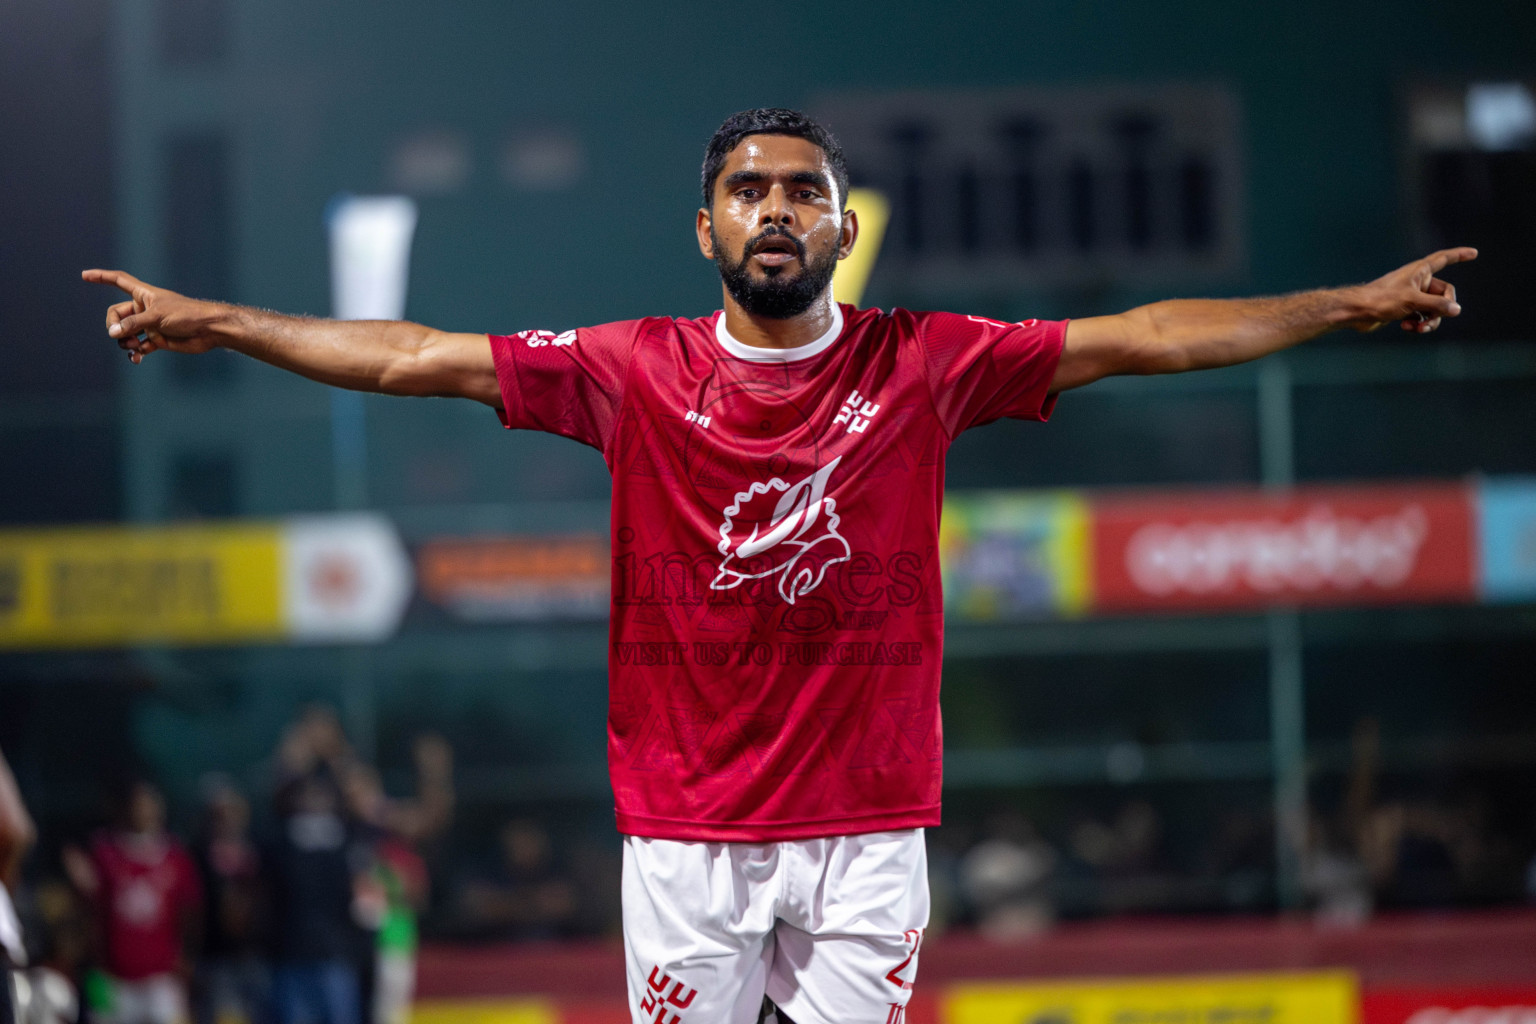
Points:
(1438, 261)
(122, 279)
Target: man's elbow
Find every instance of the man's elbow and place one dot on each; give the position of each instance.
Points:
(406, 376)
(1156, 348)
(1167, 358)
(432, 366)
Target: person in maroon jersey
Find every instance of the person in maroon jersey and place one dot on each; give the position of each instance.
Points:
(776, 626)
(144, 887)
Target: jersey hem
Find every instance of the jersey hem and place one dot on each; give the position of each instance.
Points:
(648, 827)
(506, 375)
(1048, 403)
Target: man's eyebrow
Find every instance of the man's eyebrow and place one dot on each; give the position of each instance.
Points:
(747, 176)
(742, 178)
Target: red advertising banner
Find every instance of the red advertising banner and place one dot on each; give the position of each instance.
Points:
(1228, 550)
(1449, 1006)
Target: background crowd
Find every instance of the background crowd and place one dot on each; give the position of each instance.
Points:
(311, 918)
(304, 903)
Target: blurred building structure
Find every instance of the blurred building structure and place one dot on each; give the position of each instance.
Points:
(553, 153)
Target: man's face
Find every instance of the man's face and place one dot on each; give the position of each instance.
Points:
(776, 228)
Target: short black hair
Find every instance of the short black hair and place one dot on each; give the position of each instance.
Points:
(770, 121)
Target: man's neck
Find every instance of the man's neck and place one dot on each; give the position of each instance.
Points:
(768, 332)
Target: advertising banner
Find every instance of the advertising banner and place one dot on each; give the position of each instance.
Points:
(1506, 526)
(87, 587)
(345, 578)
(1484, 1005)
(492, 1011)
(1374, 544)
(1311, 998)
(1014, 555)
(338, 578)
(517, 578)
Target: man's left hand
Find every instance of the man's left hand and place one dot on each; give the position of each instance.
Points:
(1411, 295)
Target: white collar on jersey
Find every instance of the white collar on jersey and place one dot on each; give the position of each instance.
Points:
(779, 355)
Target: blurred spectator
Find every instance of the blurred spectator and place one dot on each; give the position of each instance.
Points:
(17, 833)
(1124, 859)
(1006, 878)
(1414, 852)
(1127, 844)
(317, 873)
(402, 876)
(418, 818)
(63, 934)
(233, 985)
(1238, 858)
(395, 827)
(1407, 847)
(314, 744)
(1335, 881)
(527, 897)
(1334, 875)
(144, 888)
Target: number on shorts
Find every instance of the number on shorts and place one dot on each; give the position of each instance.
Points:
(914, 938)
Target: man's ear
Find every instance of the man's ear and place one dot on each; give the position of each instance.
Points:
(850, 234)
(702, 226)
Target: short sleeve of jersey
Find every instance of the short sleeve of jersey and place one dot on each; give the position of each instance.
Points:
(571, 383)
(981, 370)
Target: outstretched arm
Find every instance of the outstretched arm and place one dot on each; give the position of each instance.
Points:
(385, 356)
(1201, 334)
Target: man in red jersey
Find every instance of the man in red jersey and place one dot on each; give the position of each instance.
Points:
(144, 887)
(776, 626)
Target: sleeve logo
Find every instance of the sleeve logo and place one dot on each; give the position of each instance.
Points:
(797, 540)
(540, 339)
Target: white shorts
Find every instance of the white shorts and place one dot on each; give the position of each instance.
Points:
(829, 929)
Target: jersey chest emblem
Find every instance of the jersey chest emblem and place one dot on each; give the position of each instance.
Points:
(784, 530)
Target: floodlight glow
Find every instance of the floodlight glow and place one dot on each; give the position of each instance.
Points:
(370, 255)
(1501, 115)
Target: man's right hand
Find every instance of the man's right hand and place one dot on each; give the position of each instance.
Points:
(155, 318)
(391, 357)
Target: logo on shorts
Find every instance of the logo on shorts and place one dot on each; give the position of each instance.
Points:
(658, 998)
(795, 538)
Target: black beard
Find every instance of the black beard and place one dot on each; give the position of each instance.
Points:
(779, 296)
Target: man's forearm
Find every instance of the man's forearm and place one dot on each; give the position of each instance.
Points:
(1200, 334)
(364, 355)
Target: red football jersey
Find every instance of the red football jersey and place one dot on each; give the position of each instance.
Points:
(776, 635)
(148, 886)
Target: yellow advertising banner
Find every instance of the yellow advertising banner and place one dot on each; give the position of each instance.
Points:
(485, 1011)
(107, 586)
(1330, 997)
